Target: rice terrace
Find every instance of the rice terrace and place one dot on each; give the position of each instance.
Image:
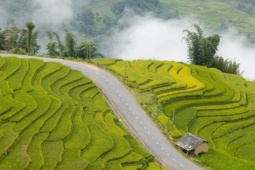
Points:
(216, 106)
(127, 85)
(53, 117)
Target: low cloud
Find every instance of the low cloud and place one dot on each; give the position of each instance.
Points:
(237, 47)
(148, 37)
(53, 12)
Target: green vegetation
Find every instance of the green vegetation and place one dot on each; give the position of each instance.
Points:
(180, 98)
(53, 117)
(19, 40)
(201, 51)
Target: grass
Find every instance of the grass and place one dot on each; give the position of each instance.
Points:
(52, 117)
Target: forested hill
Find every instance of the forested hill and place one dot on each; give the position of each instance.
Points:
(95, 17)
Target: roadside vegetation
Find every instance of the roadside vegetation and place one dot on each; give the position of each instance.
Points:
(52, 117)
(181, 98)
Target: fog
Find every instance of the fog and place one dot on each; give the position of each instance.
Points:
(237, 47)
(52, 12)
(149, 37)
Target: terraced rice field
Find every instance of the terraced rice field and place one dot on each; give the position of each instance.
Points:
(206, 102)
(52, 117)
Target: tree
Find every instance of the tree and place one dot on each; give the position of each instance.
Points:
(69, 49)
(1, 40)
(60, 45)
(225, 65)
(86, 50)
(30, 26)
(201, 50)
(35, 46)
(22, 39)
(10, 35)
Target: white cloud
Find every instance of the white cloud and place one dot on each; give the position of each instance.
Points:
(53, 12)
(236, 47)
(149, 37)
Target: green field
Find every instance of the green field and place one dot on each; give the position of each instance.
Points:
(184, 98)
(52, 117)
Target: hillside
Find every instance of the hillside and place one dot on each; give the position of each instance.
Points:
(184, 98)
(97, 17)
(52, 117)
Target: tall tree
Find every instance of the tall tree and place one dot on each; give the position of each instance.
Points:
(87, 50)
(1, 40)
(70, 43)
(30, 26)
(201, 50)
(10, 34)
(35, 46)
(60, 45)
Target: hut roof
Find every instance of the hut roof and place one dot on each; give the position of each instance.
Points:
(190, 142)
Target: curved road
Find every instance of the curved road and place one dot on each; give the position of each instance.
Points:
(131, 113)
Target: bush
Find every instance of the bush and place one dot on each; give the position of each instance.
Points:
(18, 51)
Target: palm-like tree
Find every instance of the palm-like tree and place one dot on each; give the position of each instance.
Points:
(30, 26)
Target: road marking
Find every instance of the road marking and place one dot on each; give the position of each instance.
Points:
(133, 113)
(174, 160)
(168, 154)
(153, 138)
(157, 143)
(136, 117)
(126, 104)
(144, 127)
(141, 123)
(149, 132)
(161, 148)
(181, 165)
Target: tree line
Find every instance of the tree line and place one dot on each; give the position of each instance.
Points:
(24, 41)
(202, 51)
(19, 40)
(87, 49)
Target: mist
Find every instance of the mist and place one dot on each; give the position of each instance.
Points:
(52, 12)
(149, 37)
(236, 47)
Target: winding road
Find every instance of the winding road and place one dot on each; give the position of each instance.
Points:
(131, 113)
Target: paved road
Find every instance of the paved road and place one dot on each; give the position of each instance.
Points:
(131, 113)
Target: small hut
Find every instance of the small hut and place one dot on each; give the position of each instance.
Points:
(192, 144)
